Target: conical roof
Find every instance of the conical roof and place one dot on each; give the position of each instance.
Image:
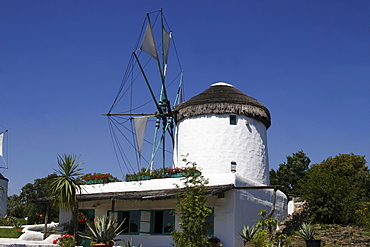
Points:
(223, 98)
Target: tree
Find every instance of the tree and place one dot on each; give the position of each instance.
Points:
(29, 192)
(193, 212)
(290, 173)
(15, 207)
(65, 186)
(334, 188)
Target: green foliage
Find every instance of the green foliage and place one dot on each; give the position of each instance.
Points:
(65, 186)
(10, 232)
(290, 173)
(306, 232)
(248, 233)
(103, 230)
(334, 188)
(66, 240)
(363, 214)
(129, 244)
(261, 235)
(21, 206)
(12, 221)
(193, 211)
(260, 239)
(266, 223)
(161, 173)
(97, 178)
(15, 207)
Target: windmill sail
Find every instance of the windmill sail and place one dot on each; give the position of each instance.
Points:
(1, 142)
(148, 45)
(140, 127)
(143, 92)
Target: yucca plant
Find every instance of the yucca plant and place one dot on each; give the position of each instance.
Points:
(103, 230)
(248, 233)
(129, 244)
(306, 232)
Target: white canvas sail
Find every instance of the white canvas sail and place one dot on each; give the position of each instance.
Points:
(166, 48)
(1, 142)
(166, 44)
(148, 45)
(140, 126)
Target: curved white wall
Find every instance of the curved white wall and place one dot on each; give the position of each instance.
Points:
(3, 197)
(212, 143)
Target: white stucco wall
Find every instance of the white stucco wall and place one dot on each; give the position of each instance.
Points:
(3, 197)
(238, 207)
(212, 143)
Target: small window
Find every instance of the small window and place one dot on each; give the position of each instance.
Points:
(131, 221)
(210, 223)
(163, 222)
(232, 119)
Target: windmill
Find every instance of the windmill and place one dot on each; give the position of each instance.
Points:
(144, 97)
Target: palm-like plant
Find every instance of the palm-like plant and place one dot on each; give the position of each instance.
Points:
(65, 187)
(103, 230)
(129, 244)
(248, 233)
(306, 232)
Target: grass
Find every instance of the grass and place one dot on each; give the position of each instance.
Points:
(10, 232)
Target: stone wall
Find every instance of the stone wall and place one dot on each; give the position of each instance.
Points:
(294, 220)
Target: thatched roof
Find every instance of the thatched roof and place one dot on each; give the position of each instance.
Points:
(222, 98)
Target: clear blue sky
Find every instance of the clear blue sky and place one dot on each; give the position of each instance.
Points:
(62, 61)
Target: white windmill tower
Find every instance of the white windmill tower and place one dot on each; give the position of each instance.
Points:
(221, 127)
(3, 181)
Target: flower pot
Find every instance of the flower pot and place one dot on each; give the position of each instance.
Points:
(247, 244)
(143, 178)
(102, 245)
(214, 244)
(313, 243)
(177, 175)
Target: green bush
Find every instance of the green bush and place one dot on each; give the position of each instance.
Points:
(12, 221)
(335, 188)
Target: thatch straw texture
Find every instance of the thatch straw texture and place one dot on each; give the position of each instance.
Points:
(222, 99)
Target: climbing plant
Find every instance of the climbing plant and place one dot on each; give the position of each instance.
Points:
(192, 211)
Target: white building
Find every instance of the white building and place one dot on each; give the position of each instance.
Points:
(3, 195)
(217, 129)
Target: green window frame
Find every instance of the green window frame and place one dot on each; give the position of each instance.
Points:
(131, 225)
(163, 221)
(211, 223)
(233, 119)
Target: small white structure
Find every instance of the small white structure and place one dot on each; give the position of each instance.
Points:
(3, 195)
(224, 131)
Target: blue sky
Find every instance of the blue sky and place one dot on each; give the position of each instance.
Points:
(61, 63)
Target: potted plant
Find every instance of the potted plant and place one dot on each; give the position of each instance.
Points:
(98, 178)
(129, 244)
(102, 231)
(307, 233)
(177, 172)
(248, 234)
(214, 241)
(65, 240)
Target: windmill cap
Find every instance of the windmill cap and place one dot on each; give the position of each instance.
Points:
(223, 98)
